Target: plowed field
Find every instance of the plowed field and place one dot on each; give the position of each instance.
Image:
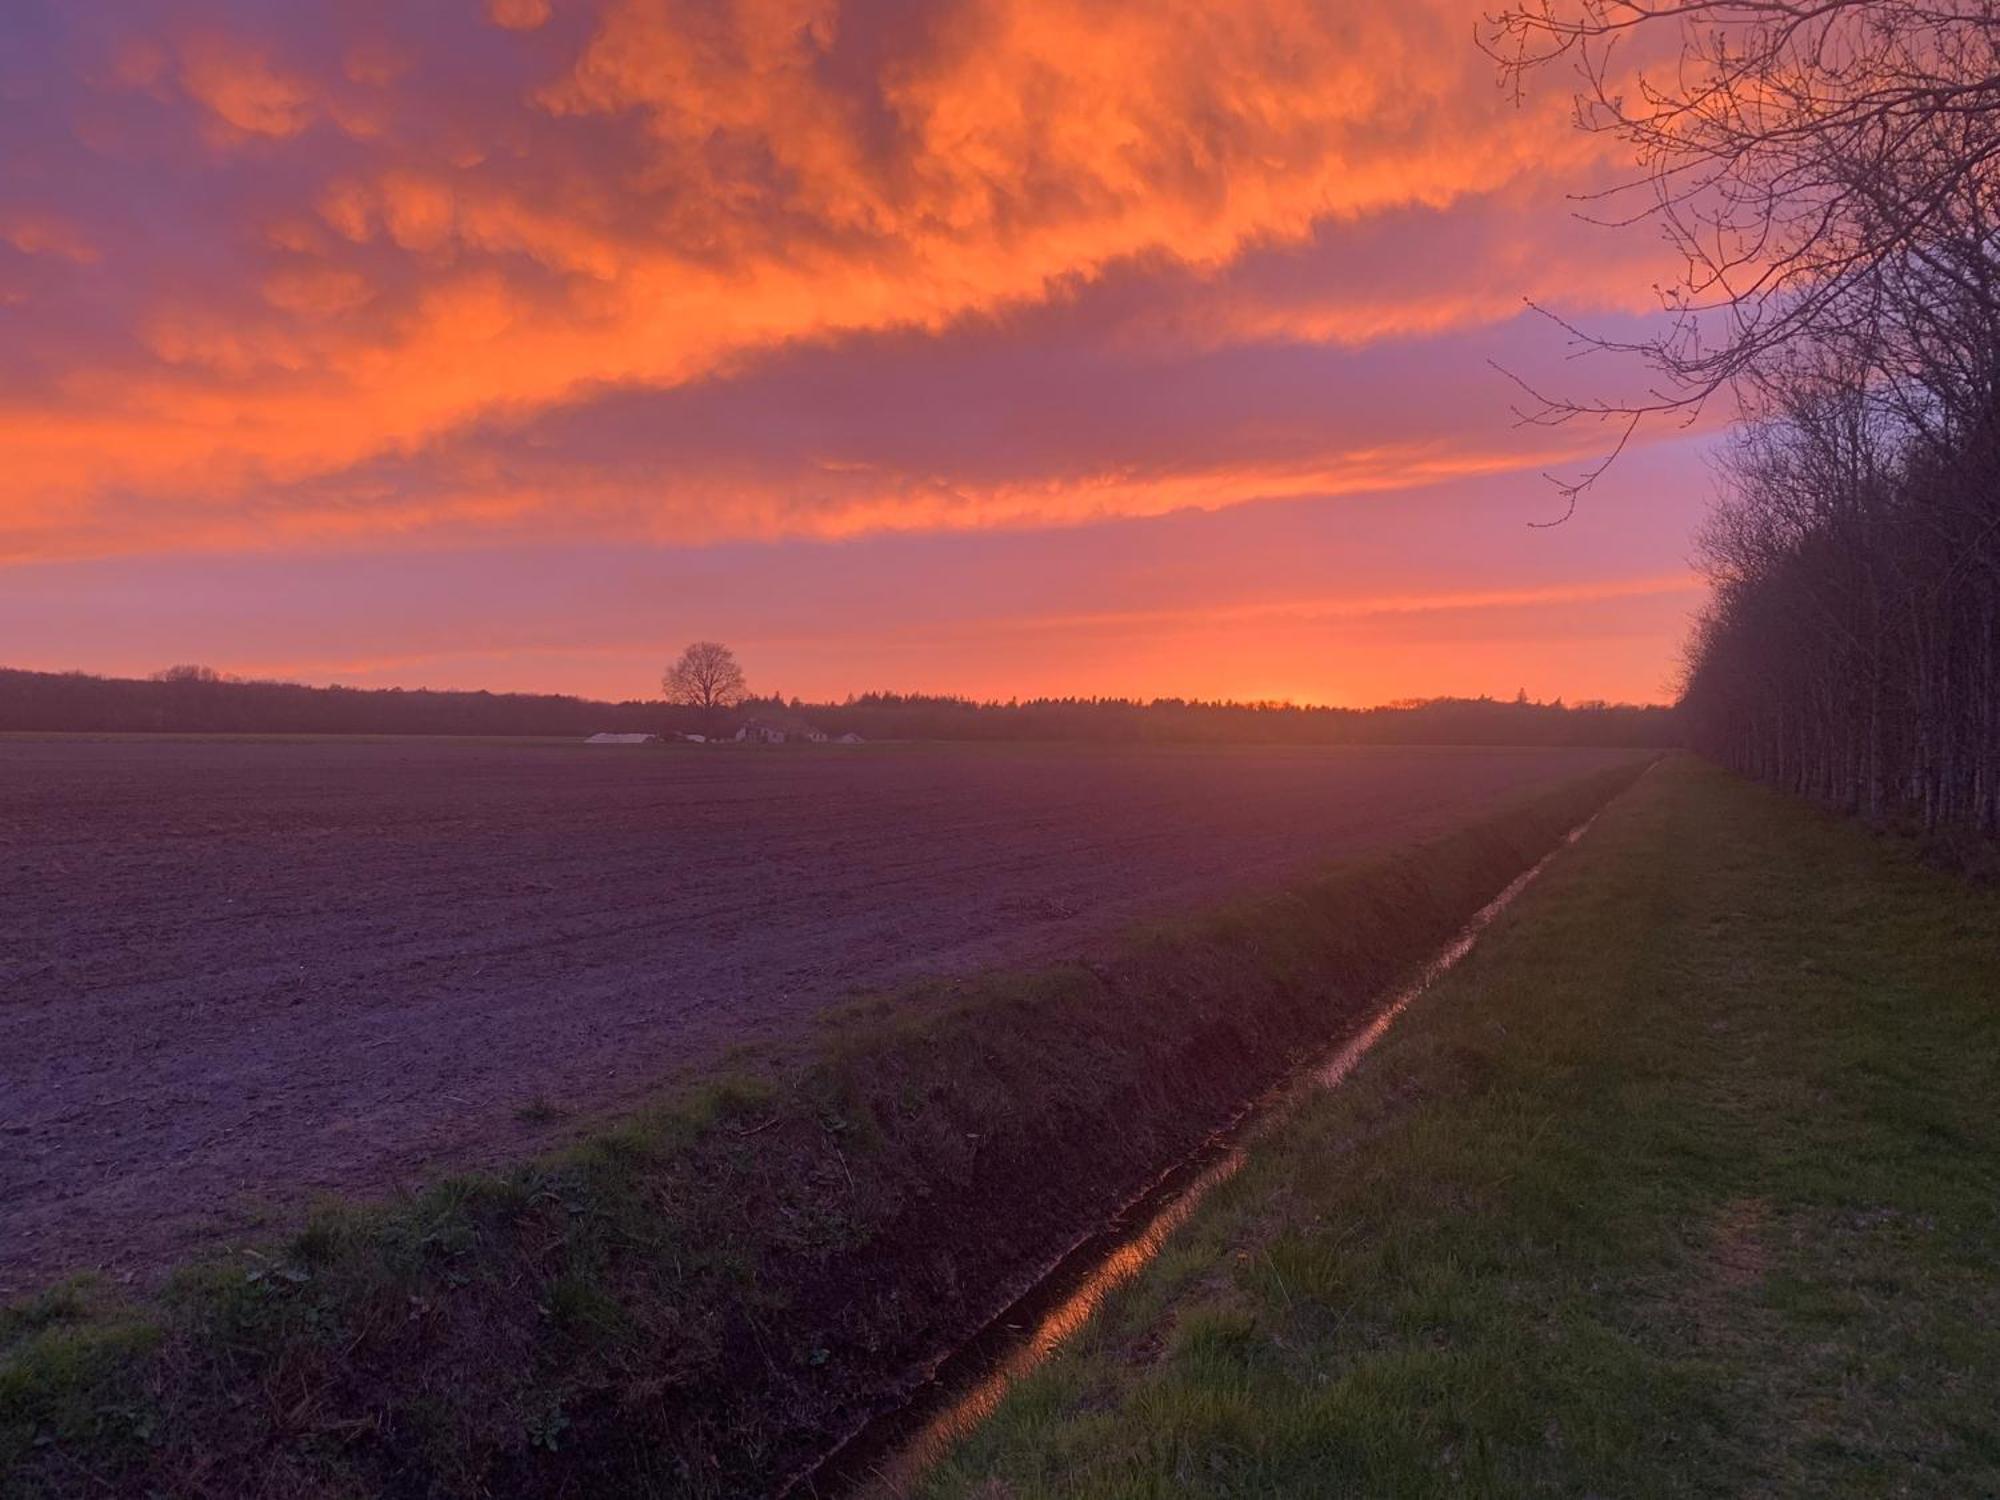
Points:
(237, 973)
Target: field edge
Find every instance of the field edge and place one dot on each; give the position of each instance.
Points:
(1682, 1184)
(697, 1300)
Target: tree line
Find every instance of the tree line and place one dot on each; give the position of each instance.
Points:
(195, 701)
(1436, 721)
(1851, 649)
(1830, 175)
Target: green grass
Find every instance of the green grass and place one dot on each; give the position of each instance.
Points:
(1687, 1182)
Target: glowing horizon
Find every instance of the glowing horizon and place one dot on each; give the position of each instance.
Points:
(996, 348)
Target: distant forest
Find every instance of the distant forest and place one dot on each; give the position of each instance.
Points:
(191, 700)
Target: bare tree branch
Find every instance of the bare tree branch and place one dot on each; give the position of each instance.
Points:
(1826, 172)
(706, 677)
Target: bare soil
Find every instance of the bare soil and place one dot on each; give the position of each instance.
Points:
(235, 974)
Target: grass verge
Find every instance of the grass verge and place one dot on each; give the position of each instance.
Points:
(1686, 1182)
(695, 1302)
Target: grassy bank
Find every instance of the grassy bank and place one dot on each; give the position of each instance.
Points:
(1688, 1181)
(699, 1300)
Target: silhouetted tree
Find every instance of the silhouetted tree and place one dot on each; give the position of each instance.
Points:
(1851, 650)
(1827, 173)
(706, 678)
(1830, 173)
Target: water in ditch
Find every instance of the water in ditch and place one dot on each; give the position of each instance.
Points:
(892, 1452)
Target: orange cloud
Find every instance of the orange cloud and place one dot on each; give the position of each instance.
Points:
(242, 88)
(518, 15)
(1356, 606)
(697, 186)
(831, 502)
(316, 291)
(33, 232)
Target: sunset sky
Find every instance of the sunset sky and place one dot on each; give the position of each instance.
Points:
(990, 346)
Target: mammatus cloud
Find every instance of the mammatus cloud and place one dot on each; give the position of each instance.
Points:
(517, 15)
(33, 232)
(290, 274)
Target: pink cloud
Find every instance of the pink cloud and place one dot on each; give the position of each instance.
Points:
(402, 247)
(1111, 345)
(518, 15)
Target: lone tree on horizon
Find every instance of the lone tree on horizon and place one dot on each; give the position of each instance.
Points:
(707, 677)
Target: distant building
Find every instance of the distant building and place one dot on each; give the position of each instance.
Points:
(778, 728)
(623, 739)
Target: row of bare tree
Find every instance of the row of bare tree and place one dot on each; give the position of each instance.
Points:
(1851, 651)
(1829, 171)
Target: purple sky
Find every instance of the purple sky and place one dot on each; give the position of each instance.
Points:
(1000, 348)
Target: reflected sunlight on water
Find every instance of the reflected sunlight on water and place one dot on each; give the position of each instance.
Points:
(880, 1459)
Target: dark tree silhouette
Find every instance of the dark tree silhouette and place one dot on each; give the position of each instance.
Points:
(1826, 170)
(706, 677)
(1851, 651)
(1830, 172)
